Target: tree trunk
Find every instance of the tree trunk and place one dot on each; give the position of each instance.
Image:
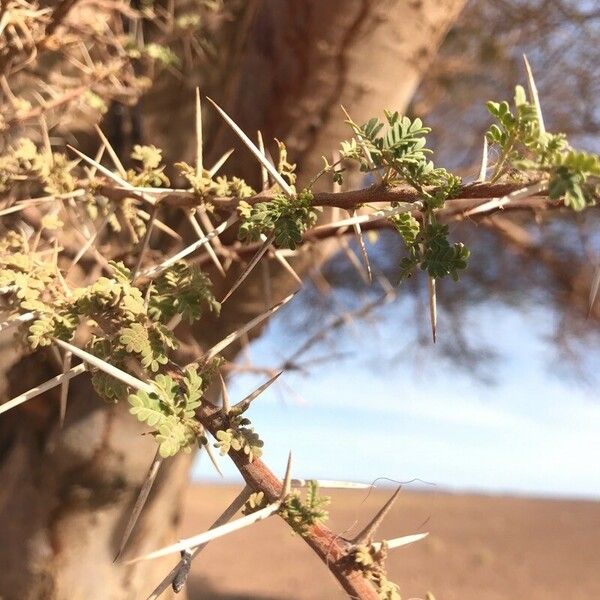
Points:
(66, 494)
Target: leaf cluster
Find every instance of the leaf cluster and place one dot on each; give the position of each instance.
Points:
(170, 409)
(256, 501)
(239, 436)
(301, 514)
(150, 173)
(24, 162)
(429, 248)
(371, 562)
(207, 187)
(525, 149)
(398, 147)
(182, 289)
(285, 218)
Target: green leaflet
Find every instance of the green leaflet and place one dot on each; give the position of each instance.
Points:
(171, 410)
(147, 408)
(440, 258)
(239, 437)
(400, 152)
(407, 226)
(184, 290)
(371, 562)
(302, 514)
(286, 218)
(524, 147)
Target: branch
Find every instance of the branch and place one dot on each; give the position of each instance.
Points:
(347, 200)
(331, 548)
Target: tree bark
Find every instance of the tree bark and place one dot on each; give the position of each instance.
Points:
(66, 494)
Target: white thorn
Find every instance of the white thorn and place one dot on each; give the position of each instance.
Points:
(243, 405)
(140, 501)
(215, 168)
(363, 249)
(102, 168)
(16, 321)
(225, 392)
(114, 156)
(231, 510)
(199, 165)
(212, 534)
(283, 261)
(252, 147)
(213, 459)
(64, 389)
(534, 95)
(126, 378)
(484, 161)
(401, 541)
(432, 306)
(526, 192)
(594, 290)
(211, 253)
(264, 174)
(44, 387)
(375, 216)
(154, 271)
(232, 337)
(249, 267)
(286, 488)
(368, 531)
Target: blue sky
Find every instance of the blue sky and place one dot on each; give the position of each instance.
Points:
(530, 432)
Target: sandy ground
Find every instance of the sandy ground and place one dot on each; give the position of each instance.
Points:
(480, 548)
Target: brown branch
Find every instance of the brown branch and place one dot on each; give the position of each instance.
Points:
(347, 200)
(453, 211)
(331, 548)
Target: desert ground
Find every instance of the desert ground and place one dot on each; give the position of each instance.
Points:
(479, 548)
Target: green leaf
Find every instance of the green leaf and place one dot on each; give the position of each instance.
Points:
(147, 408)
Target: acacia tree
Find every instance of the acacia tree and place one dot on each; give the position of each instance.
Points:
(99, 274)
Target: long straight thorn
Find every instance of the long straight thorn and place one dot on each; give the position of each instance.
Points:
(243, 405)
(484, 161)
(257, 153)
(140, 501)
(594, 290)
(156, 270)
(432, 306)
(400, 541)
(101, 168)
(64, 388)
(286, 488)
(363, 249)
(210, 250)
(44, 387)
(367, 533)
(145, 241)
(225, 392)
(199, 163)
(229, 512)
(249, 267)
(24, 318)
(111, 151)
(534, 95)
(212, 534)
(106, 367)
(215, 168)
(232, 337)
(213, 459)
(264, 174)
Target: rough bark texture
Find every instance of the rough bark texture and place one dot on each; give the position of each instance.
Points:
(65, 495)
